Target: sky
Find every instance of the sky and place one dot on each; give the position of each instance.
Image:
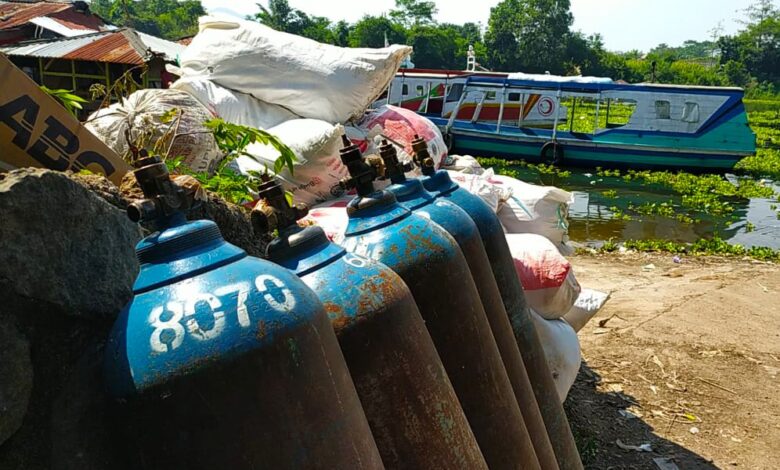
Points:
(624, 24)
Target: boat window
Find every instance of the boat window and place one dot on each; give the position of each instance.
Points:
(491, 96)
(690, 112)
(663, 109)
(618, 112)
(580, 115)
(420, 90)
(513, 97)
(405, 90)
(455, 91)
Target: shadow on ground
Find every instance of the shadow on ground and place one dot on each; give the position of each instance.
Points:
(597, 425)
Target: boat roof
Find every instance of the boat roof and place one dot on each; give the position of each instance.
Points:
(595, 87)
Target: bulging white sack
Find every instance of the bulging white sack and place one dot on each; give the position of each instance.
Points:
(586, 307)
(141, 113)
(463, 164)
(318, 168)
(547, 277)
(311, 79)
(232, 106)
(562, 351)
(543, 210)
(483, 186)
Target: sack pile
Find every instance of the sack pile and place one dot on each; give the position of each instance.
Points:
(535, 221)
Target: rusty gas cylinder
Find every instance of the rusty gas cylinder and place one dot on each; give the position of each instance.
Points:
(431, 263)
(411, 194)
(411, 407)
(549, 406)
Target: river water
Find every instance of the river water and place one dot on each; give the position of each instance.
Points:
(753, 223)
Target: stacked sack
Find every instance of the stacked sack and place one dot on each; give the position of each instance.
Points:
(535, 221)
(304, 92)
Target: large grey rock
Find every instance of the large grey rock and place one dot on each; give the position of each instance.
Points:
(16, 378)
(63, 245)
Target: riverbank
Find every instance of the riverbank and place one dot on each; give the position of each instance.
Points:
(684, 357)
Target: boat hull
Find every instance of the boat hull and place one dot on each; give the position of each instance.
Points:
(580, 155)
(588, 151)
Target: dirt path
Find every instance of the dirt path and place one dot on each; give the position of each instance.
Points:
(687, 360)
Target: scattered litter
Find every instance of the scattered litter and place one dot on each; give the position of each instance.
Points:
(691, 417)
(601, 331)
(754, 360)
(640, 448)
(664, 463)
(615, 388)
(660, 364)
(773, 371)
(766, 290)
(677, 259)
(648, 267)
(694, 430)
(708, 382)
(627, 414)
(713, 353)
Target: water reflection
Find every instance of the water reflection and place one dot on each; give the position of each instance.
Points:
(597, 201)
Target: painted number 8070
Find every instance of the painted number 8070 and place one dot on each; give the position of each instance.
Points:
(173, 321)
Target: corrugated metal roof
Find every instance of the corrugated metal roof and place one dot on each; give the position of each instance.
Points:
(13, 15)
(121, 46)
(114, 47)
(75, 19)
(52, 24)
(169, 49)
(51, 48)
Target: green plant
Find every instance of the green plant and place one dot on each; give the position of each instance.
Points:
(232, 140)
(703, 247)
(610, 193)
(609, 246)
(70, 101)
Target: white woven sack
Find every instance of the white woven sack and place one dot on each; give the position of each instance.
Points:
(562, 351)
(141, 113)
(233, 106)
(311, 79)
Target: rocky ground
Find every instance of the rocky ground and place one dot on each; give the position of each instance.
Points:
(685, 359)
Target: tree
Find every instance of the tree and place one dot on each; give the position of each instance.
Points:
(341, 32)
(529, 35)
(370, 31)
(757, 47)
(759, 11)
(280, 16)
(170, 19)
(413, 12)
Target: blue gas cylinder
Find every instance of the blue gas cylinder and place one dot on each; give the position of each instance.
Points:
(429, 260)
(411, 194)
(410, 404)
(554, 418)
(221, 360)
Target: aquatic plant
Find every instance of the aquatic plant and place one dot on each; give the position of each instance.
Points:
(702, 247)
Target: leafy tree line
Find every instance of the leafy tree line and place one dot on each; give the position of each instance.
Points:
(170, 19)
(533, 36)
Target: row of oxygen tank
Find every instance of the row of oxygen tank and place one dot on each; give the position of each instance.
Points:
(408, 346)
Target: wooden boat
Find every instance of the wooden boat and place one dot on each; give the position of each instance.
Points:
(584, 121)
